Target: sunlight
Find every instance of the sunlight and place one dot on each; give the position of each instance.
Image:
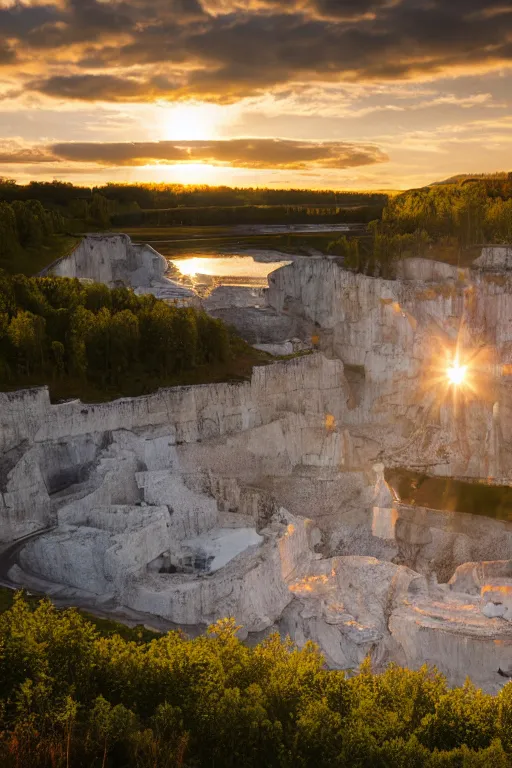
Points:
(192, 267)
(194, 173)
(456, 374)
(192, 122)
(459, 374)
(237, 267)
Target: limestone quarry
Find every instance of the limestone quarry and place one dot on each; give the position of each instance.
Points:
(266, 500)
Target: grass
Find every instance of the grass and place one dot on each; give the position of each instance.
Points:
(173, 233)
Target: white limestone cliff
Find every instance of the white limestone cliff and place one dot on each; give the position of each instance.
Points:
(266, 500)
(400, 336)
(115, 261)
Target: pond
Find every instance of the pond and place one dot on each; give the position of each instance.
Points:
(447, 494)
(238, 269)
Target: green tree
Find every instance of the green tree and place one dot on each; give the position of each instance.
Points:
(81, 320)
(99, 211)
(29, 223)
(58, 356)
(9, 243)
(27, 334)
(124, 343)
(111, 725)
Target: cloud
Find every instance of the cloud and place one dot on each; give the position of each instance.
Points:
(12, 152)
(226, 50)
(7, 54)
(110, 88)
(235, 153)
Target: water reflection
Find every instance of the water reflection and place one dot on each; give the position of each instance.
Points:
(229, 270)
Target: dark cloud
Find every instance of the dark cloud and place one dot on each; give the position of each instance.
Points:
(7, 55)
(25, 155)
(226, 49)
(346, 9)
(20, 20)
(236, 153)
(111, 88)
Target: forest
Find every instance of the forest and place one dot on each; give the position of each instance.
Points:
(247, 215)
(473, 212)
(30, 236)
(442, 222)
(87, 340)
(160, 196)
(40, 221)
(73, 696)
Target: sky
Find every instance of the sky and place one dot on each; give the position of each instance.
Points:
(348, 94)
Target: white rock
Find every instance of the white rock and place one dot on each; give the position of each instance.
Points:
(114, 260)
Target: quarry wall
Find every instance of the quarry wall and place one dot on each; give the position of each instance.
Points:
(114, 260)
(401, 336)
(134, 487)
(45, 447)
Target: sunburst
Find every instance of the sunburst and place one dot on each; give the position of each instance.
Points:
(456, 373)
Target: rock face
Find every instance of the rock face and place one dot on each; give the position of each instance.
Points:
(280, 414)
(115, 261)
(137, 510)
(399, 337)
(266, 500)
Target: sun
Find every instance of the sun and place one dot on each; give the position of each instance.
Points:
(456, 374)
(191, 122)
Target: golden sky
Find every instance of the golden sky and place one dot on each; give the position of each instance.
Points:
(311, 93)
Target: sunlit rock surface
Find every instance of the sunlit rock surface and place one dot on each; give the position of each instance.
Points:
(266, 500)
(115, 261)
(397, 339)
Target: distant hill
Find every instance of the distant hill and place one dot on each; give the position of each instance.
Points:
(461, 178)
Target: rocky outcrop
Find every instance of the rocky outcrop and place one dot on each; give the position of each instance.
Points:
(145, 500)
(345, 604)
(495, 258)
(279, 416)
(115, 261)
(453, 634)
(266, 500)
(400, 336)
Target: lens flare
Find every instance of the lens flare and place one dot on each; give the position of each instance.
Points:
(456, 374)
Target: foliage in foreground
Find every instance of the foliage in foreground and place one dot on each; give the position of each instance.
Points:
(76, 337)
(70, 697)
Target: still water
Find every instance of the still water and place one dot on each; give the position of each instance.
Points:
(236, 269)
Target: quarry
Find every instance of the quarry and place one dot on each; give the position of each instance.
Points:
(273, 500)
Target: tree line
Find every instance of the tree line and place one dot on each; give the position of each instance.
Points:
(472, 212)
(74, 698)
(25, 225)
(378, 253)
(29, 227)
(159, 205)
(249, 214)
(440, 222)
(158, 196)
(61, 331)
